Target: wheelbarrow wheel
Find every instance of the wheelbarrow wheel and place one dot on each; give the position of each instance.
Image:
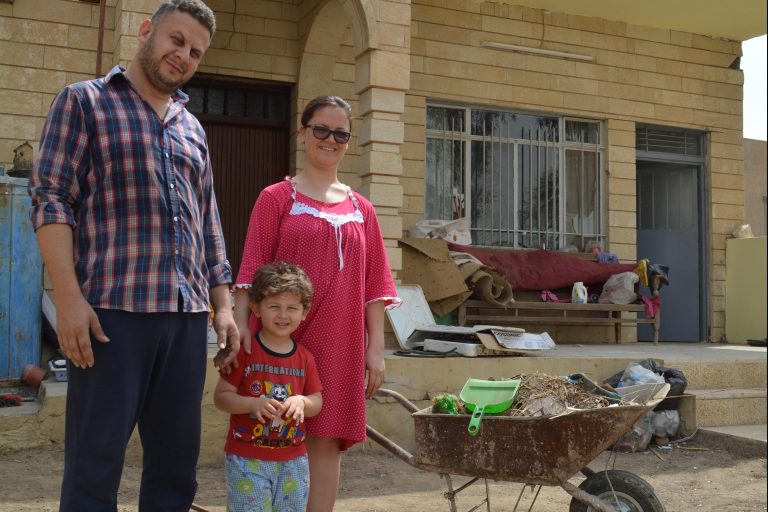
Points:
(626, 491)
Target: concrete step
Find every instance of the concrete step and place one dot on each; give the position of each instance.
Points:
(723, 374)
(748, 441)
(36, 421)
(729, 407)
(19, 427)
(756, 432)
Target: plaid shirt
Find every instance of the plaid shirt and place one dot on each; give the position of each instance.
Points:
(138, 193)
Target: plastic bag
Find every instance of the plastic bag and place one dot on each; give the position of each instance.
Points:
(675, 378)
(455, 231)
(638, 374)
(619, 289)
(742, 231)
(665, 423)
(637, 438)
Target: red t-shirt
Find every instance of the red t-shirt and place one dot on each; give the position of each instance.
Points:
(277, 375)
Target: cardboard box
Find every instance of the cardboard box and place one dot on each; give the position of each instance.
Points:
(426, 262)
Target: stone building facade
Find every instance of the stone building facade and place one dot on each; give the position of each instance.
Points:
(394, 59)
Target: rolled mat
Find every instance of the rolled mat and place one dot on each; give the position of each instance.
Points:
(485, 282)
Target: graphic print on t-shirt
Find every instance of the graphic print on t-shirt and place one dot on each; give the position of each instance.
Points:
(279, 432)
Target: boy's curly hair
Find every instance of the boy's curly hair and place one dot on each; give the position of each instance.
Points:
(281, 277)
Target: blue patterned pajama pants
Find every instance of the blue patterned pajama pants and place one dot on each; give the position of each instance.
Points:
(255, 485)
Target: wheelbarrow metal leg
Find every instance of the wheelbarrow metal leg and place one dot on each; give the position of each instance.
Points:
(585, 497)
(450, 494)
(535, 496)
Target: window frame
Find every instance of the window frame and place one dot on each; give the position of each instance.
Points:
(561, 146)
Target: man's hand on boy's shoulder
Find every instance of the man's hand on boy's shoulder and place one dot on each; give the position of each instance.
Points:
(225, 361)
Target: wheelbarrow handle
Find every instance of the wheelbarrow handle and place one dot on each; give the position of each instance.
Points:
(383, 440)
(399, 398)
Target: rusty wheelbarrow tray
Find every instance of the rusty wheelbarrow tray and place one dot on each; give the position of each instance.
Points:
(530, 450)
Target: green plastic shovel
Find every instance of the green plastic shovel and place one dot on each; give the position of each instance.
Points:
(487, 396)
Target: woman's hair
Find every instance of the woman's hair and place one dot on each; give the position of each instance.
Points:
(195, 8)
(281, 277)
(325, 101)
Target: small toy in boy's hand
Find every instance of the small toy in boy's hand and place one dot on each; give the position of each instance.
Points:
(446, 403)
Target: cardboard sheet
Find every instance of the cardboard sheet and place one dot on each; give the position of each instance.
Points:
(426, 262)
(523, 342)
(414, 324)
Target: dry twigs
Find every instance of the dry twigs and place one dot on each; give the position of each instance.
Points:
(555, 391)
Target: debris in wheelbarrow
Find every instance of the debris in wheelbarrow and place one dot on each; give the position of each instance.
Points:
(539, 394)
(447, 403)
(545, 395)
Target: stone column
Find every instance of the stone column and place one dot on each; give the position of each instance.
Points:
(128, 16)
(383, 78)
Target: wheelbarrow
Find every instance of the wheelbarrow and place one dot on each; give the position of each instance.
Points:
(546, 450)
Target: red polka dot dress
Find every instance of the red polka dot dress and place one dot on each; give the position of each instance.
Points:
(340, 247)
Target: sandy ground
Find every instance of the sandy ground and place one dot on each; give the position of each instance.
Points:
(707, 479)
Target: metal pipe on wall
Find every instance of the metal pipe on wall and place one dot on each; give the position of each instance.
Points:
(100, 43)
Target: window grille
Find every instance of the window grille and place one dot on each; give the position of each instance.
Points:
(523, 180)
(669, 140)
(212, 100)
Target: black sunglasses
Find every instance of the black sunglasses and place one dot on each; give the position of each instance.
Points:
(323, 132)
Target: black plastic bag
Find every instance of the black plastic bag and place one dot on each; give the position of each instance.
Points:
(675, 378)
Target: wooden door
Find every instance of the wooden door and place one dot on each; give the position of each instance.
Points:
(248, 131)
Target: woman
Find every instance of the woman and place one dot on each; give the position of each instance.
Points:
(315, 221)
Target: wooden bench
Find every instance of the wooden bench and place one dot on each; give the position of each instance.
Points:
(473, 312)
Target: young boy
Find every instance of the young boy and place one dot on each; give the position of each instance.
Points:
(268, 395)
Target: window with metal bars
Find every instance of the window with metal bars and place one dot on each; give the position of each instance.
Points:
(523, 180)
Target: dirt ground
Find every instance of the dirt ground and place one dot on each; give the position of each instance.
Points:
(691, 477)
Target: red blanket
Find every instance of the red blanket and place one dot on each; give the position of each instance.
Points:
(544, 270)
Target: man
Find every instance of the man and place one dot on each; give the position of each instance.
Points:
(128, 227)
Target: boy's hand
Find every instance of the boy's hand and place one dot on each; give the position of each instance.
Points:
(293, 408)
(265, 409)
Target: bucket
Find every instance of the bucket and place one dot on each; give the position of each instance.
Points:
(33, 375)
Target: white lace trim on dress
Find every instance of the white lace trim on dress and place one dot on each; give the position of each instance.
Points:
(334, 219)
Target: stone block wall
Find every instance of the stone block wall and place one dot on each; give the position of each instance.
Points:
(44, 45)
(638, 75)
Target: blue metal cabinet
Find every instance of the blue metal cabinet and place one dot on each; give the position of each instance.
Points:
(20, 281)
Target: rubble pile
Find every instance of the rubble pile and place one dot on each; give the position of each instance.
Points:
(540, 394)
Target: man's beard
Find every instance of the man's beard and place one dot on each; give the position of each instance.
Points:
(150, 65)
